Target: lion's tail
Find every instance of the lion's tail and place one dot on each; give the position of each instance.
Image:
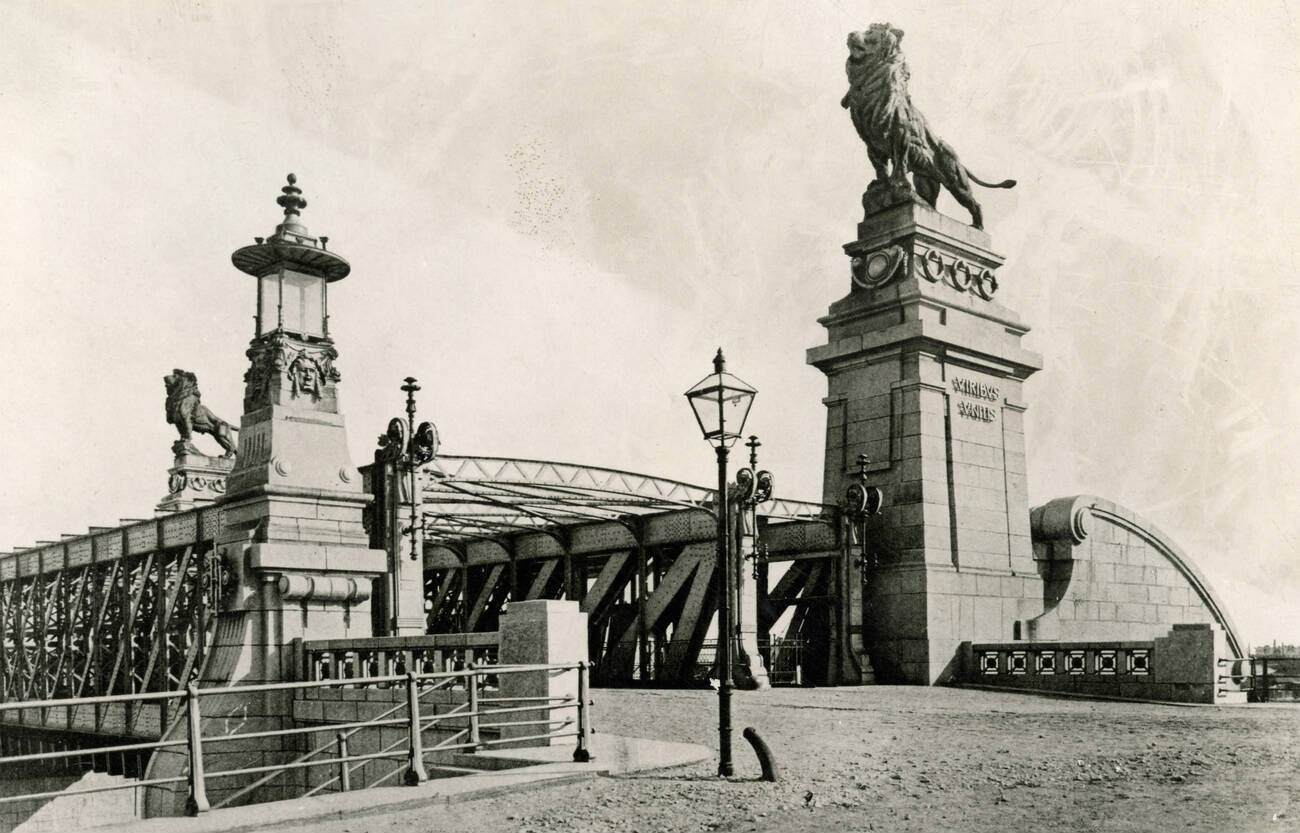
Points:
(1006, 183)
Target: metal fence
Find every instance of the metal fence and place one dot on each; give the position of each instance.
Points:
(467, 721)
(1265, 679)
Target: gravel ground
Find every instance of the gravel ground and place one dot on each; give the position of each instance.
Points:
(905, 758)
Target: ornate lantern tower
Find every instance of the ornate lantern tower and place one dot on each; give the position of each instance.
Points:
(292, 536)
(291, 358)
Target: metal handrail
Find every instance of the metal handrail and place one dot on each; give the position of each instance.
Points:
(416, 773)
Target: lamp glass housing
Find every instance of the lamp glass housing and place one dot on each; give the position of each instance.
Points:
(303, 308)
(721, 404)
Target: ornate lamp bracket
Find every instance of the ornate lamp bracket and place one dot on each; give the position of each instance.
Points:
(861, 502)
(407, 447)
(753, 487)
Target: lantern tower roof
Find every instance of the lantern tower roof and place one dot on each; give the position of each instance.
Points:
(291, 245)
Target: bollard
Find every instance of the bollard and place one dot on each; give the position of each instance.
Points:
(583, 753)
(765, 758)
(197, 802)
(472, 681)
(345, 775)
(415, 772)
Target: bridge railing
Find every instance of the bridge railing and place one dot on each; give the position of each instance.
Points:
(1264, 678)
(466, 724)
(345, 659)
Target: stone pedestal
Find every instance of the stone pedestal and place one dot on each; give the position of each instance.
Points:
(406, 554)
(194, 479)
(925, 370)
(541, 632)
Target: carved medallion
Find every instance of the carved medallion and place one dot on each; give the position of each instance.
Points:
(874, 270)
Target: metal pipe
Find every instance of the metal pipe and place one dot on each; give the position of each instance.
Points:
(765, 758)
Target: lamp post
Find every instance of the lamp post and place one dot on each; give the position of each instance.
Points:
(403, 448)
(721, 403)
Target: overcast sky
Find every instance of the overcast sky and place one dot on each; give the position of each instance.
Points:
(556, 212)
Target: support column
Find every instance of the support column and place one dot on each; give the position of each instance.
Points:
(749, 671)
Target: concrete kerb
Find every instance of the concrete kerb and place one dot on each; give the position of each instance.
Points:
(1079, 695)
(542, 767)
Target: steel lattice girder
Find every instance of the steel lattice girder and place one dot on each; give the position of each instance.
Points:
(115, 611)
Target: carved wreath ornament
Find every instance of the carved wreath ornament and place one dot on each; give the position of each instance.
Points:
(878, 268)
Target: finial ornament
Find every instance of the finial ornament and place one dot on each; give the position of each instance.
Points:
(291, 201)
(719, 362)
(863, 462)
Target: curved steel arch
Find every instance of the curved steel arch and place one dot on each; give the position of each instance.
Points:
(466, 496)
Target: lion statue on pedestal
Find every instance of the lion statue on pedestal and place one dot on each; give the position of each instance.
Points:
(191, 416)
(898, 139)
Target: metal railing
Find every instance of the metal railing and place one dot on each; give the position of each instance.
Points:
(465, 721)
(1265, 679)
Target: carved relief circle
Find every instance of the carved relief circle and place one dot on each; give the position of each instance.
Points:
(961, 275)
(986, 284)
(932, 266)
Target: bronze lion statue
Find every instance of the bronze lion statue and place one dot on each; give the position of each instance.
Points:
(898, 139)
(191, 416)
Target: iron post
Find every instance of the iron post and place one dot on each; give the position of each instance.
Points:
(583, 753)
(415, 772)
(472, 681)
(345, 774)
(724, 620)
(197, 802)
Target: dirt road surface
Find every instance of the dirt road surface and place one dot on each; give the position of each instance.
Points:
(905, 758)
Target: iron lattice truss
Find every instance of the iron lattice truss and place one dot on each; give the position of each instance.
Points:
(489, 498)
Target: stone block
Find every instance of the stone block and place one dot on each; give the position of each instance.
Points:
(1128, 574)
(339, 711)
(1130, 612)
(541, 632)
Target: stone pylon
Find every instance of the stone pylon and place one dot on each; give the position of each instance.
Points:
(925, 371)
(292, 546)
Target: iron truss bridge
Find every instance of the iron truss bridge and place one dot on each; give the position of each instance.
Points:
(636, 551)
(132, 608)
(119, 610)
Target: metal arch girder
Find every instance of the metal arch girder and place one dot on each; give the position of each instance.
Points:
(554, 494)
(553, 473)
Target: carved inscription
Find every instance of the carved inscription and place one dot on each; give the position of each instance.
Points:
(979, 391)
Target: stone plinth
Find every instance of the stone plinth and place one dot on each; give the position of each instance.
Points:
(925, 370)
(194, 479)
(542, 632)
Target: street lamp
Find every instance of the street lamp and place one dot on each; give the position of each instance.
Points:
(721, 404)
